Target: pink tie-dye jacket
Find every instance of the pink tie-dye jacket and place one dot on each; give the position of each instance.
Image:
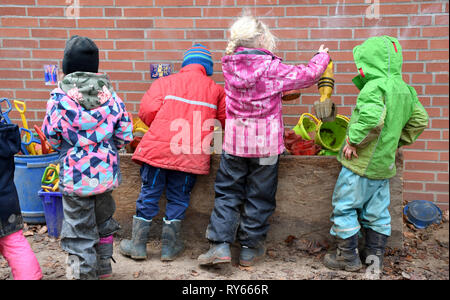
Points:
(253, 85)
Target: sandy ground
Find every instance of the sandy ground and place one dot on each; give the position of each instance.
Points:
(425, 255)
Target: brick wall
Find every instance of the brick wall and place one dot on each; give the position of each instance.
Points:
(134, 33)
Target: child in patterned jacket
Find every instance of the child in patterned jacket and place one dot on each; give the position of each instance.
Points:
(248, 174)
(87, 123)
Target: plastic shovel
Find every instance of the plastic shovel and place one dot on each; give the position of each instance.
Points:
(5, 114)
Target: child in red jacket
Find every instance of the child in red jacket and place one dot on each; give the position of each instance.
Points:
(181, 111)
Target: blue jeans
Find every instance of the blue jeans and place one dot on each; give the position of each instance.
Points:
(356, 197)
(178, 193)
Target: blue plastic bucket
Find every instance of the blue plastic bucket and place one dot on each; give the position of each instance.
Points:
(53, 209)
(27, 178)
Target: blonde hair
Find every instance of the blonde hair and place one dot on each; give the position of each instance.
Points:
(249, 32)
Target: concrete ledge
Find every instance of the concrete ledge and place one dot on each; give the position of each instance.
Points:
(305, 188)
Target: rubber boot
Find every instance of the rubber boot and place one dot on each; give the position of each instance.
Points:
(346, 256)
(172, 244)
(104, 256)
(136, 248)
(375, 245)
(249, 256)
(218, 253)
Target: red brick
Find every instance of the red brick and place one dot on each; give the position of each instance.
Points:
(142, 12)
(124, 55)
(441, 20)
(115, 65)
(442, 177)
(430, 8)
(114, 12)
(435, 31)
(433, 55)
(222, 12)
(398, 9)
(174, 23)
(437, 67)
(17, 2)
(165, 34)
(439, 44)
(343, 10)
(97, 3)
(437, 187)
(421, 20)
(387, 21)
(88, 12)
(20, 43)
(410, 32)
(96, 23)
(414, 44)
(173, 2)
(331, 33)
(426, 166)
(19, 22)
(413, 186)
(420, 155)
(436, 89)
(10, 84)
(213, 23)
(185, 12)
(10, 64)
(48, 54)
(290, 33)
(298, 22)
(437, 145)
(15, 53)
(53, 33)
(204, 34)
(418, 176)
(46, 11)
(367, 33)
(56, 23)
(409, 196)
(135, 45)
(141, 23)
(14, 32)
(13, 11)
(126, 34)
(441, 78)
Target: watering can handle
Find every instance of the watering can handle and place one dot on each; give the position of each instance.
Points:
(344, 117)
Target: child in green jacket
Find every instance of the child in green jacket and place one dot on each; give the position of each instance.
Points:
(388, 115)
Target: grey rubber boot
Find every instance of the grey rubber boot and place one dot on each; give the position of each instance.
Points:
(218, 253)
(375, 245)
(346, 256)
(104, 256)
(249, 256)
(136, 248)
(172, 244)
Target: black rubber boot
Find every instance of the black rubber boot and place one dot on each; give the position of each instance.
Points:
(346, 256)
(104, 256)
(172, 244)
(375, 244)
(136, 248)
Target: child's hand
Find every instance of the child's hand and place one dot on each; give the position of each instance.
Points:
(322, 49)
(349, 151)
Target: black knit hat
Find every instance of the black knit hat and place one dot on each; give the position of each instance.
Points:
(80, 55)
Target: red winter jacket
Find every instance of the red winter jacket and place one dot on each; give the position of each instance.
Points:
(175, 108)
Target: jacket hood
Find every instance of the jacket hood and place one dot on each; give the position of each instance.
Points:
(83, 104)
(90, 90)
(377, 57)
(10, 140)
(236, 67)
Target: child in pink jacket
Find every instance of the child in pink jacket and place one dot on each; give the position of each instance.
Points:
(246, 181)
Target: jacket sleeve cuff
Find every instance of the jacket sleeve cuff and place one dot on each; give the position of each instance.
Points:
(347, 140)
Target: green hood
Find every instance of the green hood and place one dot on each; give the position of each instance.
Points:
(92, 89)
(375, 57)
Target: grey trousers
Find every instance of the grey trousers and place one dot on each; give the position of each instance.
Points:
(245, 191)
(86, 220)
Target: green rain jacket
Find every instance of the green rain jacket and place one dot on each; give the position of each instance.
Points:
(387, 115)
